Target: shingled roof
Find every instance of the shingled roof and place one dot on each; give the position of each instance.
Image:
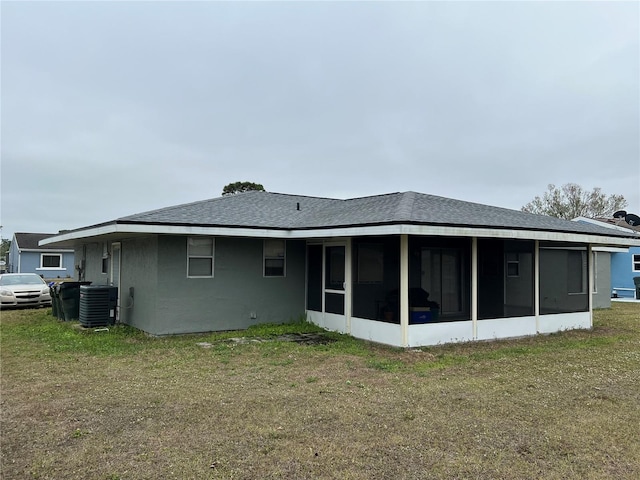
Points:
(29, 241)
(295, 212)
(264, 214)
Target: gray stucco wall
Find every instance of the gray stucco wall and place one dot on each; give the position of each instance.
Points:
(139, 270)
(602, 295)
(89, 257)
(165, 301)
(226, 301)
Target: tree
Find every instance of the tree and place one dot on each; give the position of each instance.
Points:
(241, 187)
(4, 248)
(4, 252)
(571, 201)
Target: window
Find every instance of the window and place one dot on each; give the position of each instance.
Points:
(274, 257)
(105, 264)
(51, 260)
(105, 258)
(200, 257)
(636, 262)
(513, 264)
(442, 278)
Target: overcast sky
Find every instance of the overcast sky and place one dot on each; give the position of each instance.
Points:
(115, 108)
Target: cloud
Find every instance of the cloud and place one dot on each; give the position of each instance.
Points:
(119, 107)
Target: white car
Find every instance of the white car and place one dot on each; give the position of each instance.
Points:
(23, 290)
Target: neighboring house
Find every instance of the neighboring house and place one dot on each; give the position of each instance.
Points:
(624, 263)
(26, 256)
(404, 269)
(601, 272)
(625, 273)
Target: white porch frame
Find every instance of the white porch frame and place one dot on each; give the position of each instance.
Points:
(406, 335)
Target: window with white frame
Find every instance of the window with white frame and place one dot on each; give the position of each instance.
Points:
(105, 265)
(513, 264)
(105, 259)
(636, 262)
(200, 252)
(274, 257)
(51, 260)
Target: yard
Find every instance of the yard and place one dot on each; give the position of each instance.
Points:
(122, 405)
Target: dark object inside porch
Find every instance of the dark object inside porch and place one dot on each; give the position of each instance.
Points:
(418, 298)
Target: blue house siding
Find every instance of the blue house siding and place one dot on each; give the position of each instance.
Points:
(622, 272)
(30, 262)
(623, 268)
(25, 256)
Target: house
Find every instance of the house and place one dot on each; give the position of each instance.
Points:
(625, 273)
(404, 269)
(624, 263)
(50, 262)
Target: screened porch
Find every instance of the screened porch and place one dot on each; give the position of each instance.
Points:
(410, 290)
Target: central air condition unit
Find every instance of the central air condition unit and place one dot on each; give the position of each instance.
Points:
(98, 305)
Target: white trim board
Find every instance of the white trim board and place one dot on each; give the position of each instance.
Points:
(119, 230)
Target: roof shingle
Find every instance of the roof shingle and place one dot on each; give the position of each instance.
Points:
(29, 241)
(281, 211)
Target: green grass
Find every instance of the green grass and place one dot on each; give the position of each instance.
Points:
(124, 405)
(28, 328)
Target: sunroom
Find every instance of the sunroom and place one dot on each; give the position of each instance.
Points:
(413, 290)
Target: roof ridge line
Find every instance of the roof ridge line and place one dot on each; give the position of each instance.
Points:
(295, 195)
(372, 196)
(406, 205)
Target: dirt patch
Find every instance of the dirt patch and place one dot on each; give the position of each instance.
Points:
(300, 338)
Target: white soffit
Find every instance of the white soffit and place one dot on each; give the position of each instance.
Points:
(354, 231)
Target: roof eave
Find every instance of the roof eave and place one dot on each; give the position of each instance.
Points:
(51, 249)
(118, 228)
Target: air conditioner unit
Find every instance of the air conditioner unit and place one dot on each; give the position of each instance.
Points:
(98, 305)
